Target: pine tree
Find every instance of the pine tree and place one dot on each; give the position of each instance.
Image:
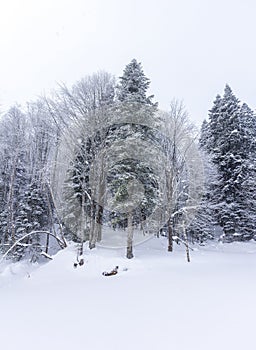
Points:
(77, 194)
(23, 202)
(134, 85)
(231, 142)
(204, 134)
(136, 121)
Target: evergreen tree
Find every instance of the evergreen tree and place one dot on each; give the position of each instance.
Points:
(132, 101)
(134, 85)
(23, 203)
(204, 134)
(231, 143)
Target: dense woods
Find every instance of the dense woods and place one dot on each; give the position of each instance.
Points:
(100, 158)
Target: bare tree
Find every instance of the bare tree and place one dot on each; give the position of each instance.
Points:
(80, 113)
(183, 169)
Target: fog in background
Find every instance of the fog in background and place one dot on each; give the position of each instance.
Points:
(189, 48)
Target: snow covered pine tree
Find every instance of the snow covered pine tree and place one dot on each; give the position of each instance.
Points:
(134, 85)
(132, 100)
(231, 145)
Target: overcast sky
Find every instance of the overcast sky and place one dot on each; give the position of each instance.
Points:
(189, 48)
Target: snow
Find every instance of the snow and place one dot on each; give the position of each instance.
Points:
(156, 301)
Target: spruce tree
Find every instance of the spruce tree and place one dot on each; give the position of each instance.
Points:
(139, 127)
(230, 143)
(23, 201)
(134, 85)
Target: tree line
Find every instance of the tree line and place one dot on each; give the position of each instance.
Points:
(102, 155)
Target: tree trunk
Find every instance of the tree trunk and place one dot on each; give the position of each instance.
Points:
(97, 213)
(186, 241)
(129, 253)
(100, 203)
(47, 243)
(82, 221)
(92, 228)
(52, 222)
(57, 215)
(10, 201)
(98, 224)
(170, 241)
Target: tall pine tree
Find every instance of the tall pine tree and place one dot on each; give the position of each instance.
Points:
(231, 144)
(134, 85)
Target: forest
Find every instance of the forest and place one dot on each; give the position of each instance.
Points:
(99, 162)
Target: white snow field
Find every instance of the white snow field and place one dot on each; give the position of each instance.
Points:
(156, 301)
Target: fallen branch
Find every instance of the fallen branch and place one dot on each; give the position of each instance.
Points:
(60, 242)
(46, 255)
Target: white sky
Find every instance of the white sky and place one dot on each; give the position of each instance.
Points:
(189, 48)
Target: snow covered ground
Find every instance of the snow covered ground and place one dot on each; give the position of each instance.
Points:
(156, 301)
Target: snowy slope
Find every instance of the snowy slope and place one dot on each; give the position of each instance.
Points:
(156, 301)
